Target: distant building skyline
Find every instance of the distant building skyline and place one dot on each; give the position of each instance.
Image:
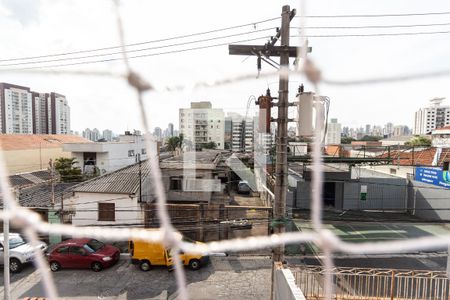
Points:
(23, 111)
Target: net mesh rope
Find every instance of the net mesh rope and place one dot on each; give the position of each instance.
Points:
(31, 223)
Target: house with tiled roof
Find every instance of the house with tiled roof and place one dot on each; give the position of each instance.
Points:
(31, 152)
(116, 198)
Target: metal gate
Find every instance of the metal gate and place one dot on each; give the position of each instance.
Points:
(361, 283)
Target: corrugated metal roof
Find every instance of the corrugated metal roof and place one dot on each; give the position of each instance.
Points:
(27, 179)
(122, 181)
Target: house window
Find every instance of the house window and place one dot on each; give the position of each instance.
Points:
(143, 151)
(176, 183)
(106, 212)
(130, 153)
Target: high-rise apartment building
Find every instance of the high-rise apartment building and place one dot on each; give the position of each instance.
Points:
(16, 109)
(59, 116)
(432, 117)
(26, 112)
(201, 124)
(107, 135)
(242, 133)
(334, 131)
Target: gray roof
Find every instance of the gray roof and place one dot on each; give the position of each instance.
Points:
(122, 181)
(40, 195)
(31, 178)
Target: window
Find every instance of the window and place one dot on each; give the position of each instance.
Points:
(106, 212)
(176, 183)
(63, 250)
(75, 250)
(143, 151)
(130, 153)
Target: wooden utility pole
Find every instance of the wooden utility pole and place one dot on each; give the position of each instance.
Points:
(284, 51)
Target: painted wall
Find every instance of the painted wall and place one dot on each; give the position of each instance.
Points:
(428, 201)
(85, 205)
(21, 161)
(284, 286)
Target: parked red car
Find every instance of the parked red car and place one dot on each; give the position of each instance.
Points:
(81, 254)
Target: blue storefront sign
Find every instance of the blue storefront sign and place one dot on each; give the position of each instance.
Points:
(433, 176)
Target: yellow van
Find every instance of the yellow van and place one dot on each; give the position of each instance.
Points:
(147, 254)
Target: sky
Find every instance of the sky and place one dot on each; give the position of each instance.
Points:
(41, 27)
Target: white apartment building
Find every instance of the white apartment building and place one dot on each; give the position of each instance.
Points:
(334, 130)
(201, 124)
(25, 112)
(59, 120)
(16, 109)
(242, 139)
(432, 117)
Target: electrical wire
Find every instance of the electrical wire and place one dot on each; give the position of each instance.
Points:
(374, 26)
(139, 56)
(142, 43)
(377, 15)
(137, 50)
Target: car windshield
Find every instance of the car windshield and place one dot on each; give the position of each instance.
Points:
(94, 246)
(15, 242)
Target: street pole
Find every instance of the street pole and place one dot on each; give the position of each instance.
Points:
(52, 174)
(6, 290)
(281, 138)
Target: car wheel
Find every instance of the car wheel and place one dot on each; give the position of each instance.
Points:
(96, 267)
(15, 266)
(145, 265)
(194, 264)
(55, 266)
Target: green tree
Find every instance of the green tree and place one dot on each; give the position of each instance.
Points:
(373, 138)
(174, 142)
(419, 141)
(347, 140)
(67, 170)
(210, 145)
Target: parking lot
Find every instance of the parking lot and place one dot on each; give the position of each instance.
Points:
(222, 278)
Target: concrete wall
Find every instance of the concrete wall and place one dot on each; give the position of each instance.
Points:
(85, 205)
(428, 201)
(194, 196)
(284, 287)
(22, 161)
(384, 192)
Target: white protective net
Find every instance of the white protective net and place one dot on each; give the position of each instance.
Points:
(32, 224)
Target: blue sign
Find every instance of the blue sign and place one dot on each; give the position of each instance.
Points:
(433, 176)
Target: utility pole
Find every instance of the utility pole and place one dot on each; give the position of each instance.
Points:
(281, 138)
(284, 51)
(138, 158)
(52, 180)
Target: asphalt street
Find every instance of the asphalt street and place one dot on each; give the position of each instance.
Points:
(223, 278)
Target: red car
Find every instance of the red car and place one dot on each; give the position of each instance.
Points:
(82, 254)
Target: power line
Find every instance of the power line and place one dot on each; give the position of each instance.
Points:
(142, 43)
(138, 50)
(139, 56)
(377, 15)
(373, 26)
(377, 34)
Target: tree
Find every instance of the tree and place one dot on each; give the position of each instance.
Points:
(371, 138)
(210, 145)
(67, 170)
(419, 141)
(347, 140)
(174, 142)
